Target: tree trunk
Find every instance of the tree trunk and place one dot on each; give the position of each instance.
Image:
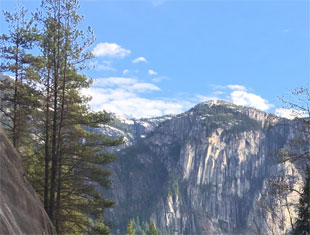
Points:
(47, 157)
(14, 131)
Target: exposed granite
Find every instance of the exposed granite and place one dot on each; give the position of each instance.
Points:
(206, 172)
(21, 212)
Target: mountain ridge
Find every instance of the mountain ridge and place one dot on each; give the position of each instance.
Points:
(202, 171)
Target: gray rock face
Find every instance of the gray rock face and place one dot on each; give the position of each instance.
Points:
(21, 212)
(206, 172)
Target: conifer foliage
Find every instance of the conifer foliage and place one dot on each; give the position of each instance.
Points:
(152, 230)
(130, 230)
(17, 90)
(48, 119)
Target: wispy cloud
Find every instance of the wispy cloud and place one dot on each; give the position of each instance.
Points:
(159, 79)
(125, 71)
(144, 87)
(114, 81)
(203, 98)
(110, 50)
(102, 66)
(152, 72)
(128, 96)
(125, 96)
(127, 84)
(236, 87)
(138, 60)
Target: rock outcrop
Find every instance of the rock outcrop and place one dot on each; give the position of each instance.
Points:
(205, 172)
(21, 212)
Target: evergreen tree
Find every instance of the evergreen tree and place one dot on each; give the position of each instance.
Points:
(302, 225)
(65, 158)
(130, 230)
(100, 227)
(18, 95)
(73, 155)
(152, 229)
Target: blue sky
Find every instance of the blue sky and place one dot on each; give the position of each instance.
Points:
(160, 57)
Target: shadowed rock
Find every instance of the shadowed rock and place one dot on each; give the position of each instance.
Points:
(21, 212)
(205, 171)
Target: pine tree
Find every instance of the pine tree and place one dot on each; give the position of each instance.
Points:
(130, 230)
(152, 229)
(65, 158)
(302, 225)
(73, 154)
(18, 95)
(100, 227)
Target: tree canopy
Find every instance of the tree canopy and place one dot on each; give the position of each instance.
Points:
(49, 120)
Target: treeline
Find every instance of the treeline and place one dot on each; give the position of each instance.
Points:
(135, 227)
(47, 117)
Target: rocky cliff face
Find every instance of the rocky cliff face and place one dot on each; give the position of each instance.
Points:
(21, 212)
(204, 172)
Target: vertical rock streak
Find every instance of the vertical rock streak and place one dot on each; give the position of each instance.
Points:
(216, 160)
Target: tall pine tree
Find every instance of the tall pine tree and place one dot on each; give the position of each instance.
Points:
(75, 155)
(66, 162)
(18, 94)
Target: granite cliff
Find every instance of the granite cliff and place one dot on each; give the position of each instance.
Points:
(203, 172)
(21, 212)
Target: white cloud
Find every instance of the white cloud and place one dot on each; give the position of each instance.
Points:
(216, 93)
(159, 79)
(249, 99)
(125, 71)
(139, 59)
(110, 50)
(114, 81)
(126, 96)
(102, 66)
(236, 87)
(127, 103)
(289, 113)
(239, 95)
(143, 87)
(152, 72)
(127, 84)
(203, 98)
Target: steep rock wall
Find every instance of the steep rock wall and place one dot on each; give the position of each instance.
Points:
(21, 212)
(206, 172)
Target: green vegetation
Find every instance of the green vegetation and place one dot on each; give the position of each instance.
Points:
(144, 228)
(227, 117)
(47, 118)
(130, 230)
(152, 230)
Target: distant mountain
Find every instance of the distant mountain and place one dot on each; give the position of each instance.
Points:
(202, 172)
